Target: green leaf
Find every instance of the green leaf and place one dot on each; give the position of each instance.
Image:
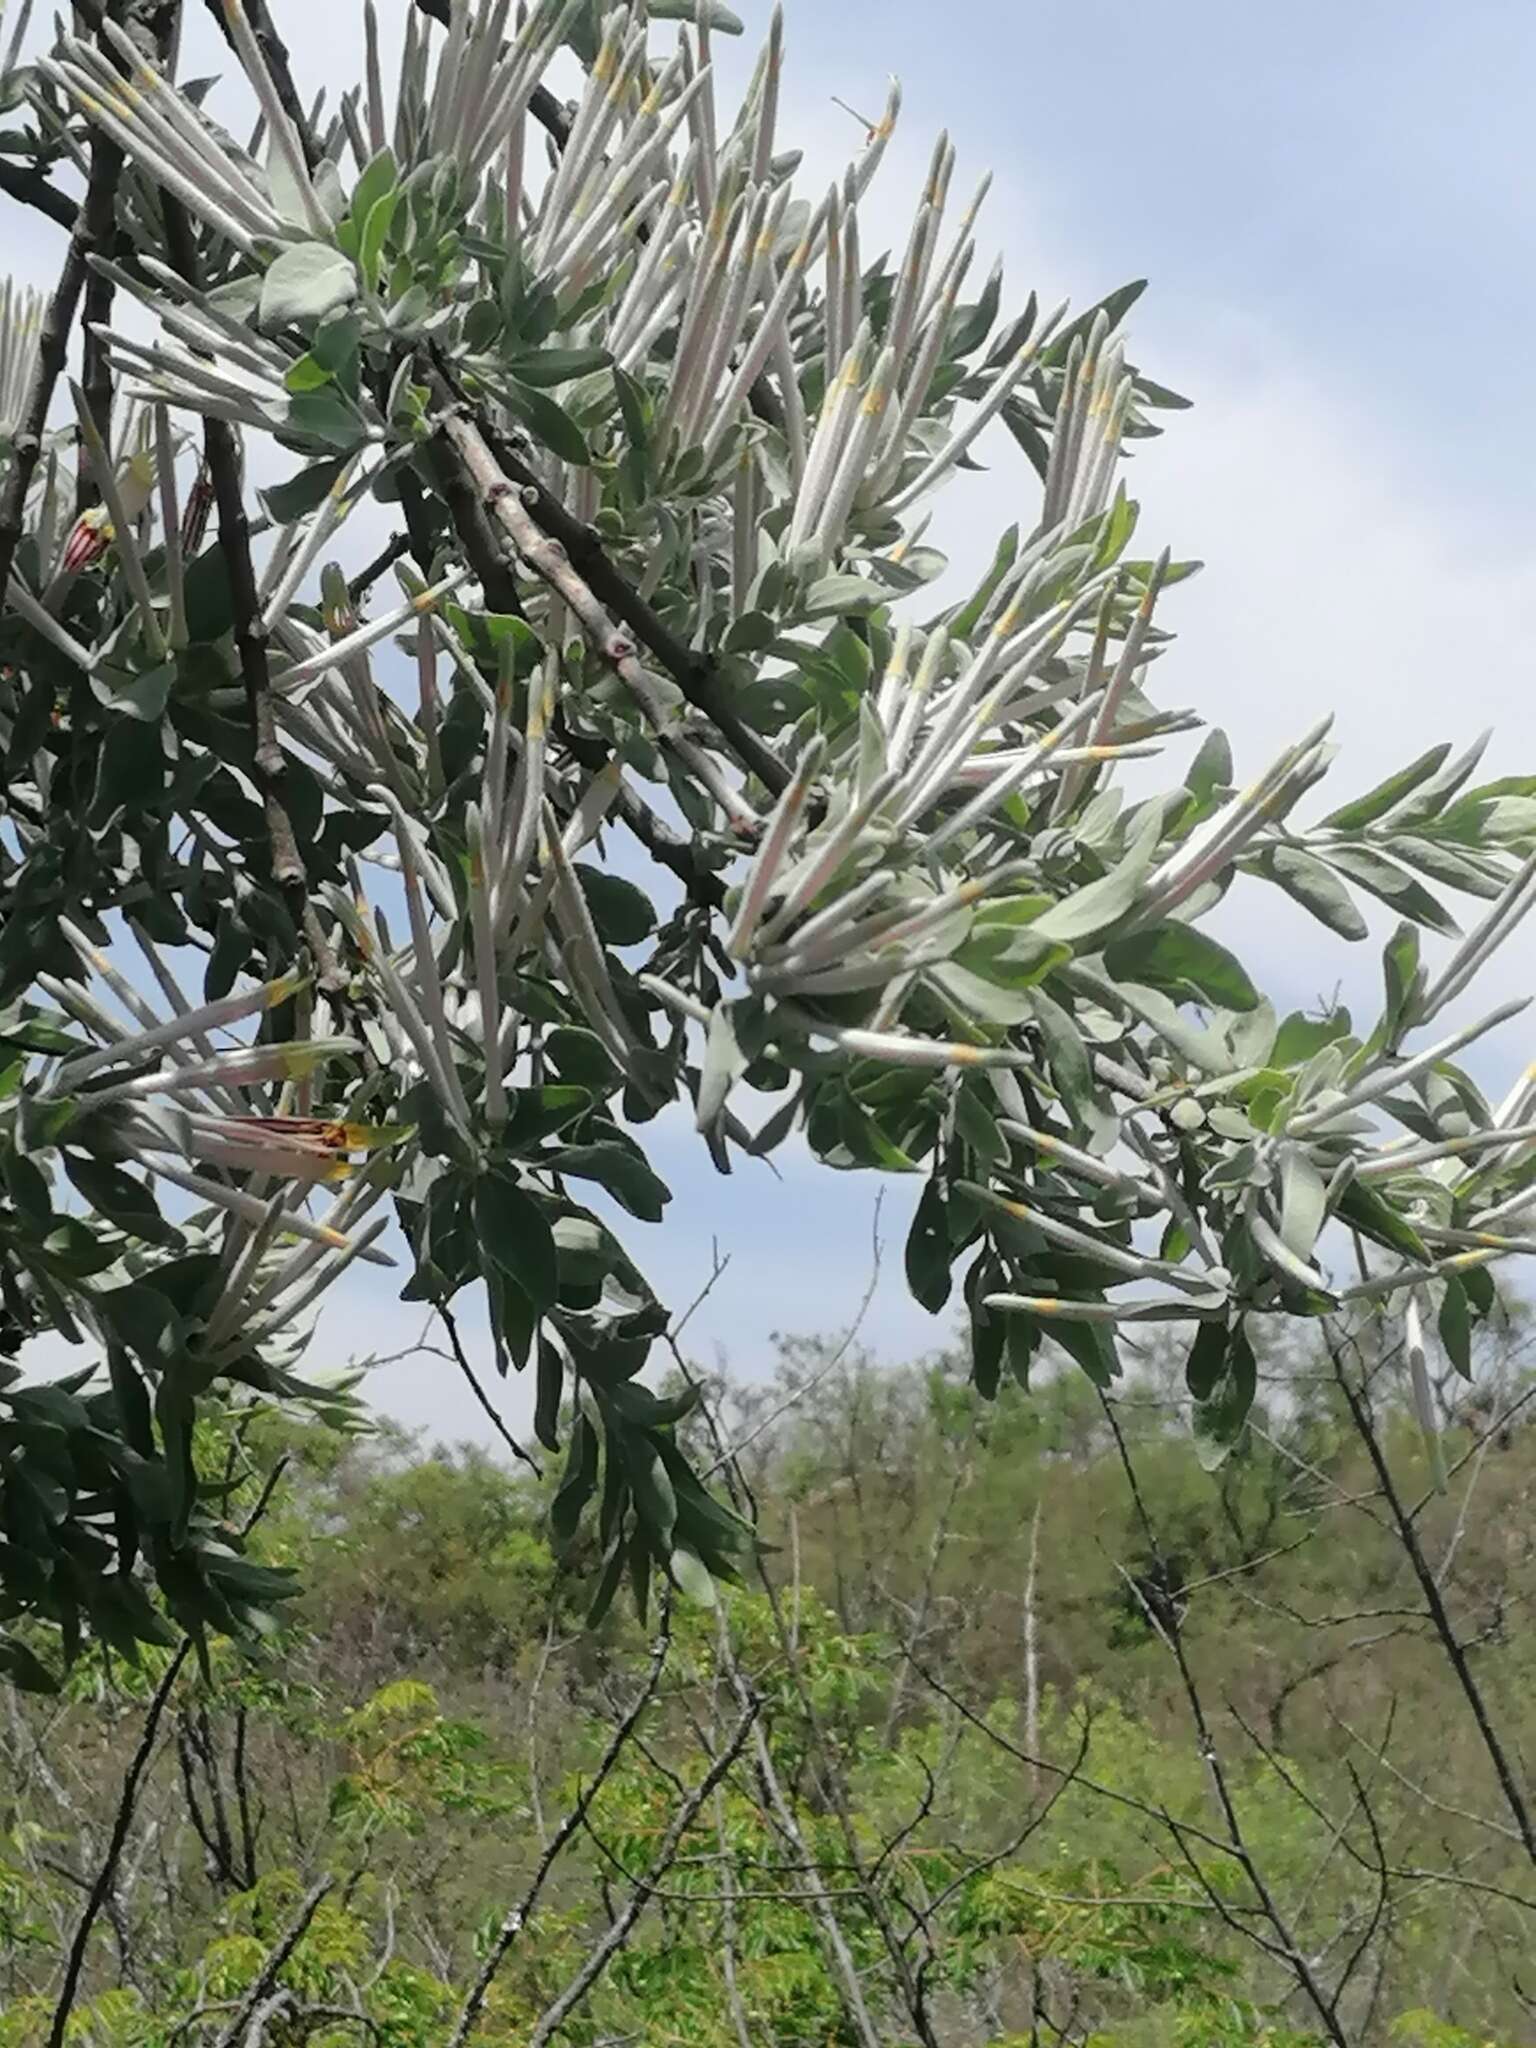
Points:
(24, 1668)
(1392, 884)
(623, 1173)
(304, 492)
(1206, 1365)
(1184, 963)
(578, 1482)
(1102, 903)
(1315, 887)
(1302, 1038)
(121, 1199)
(381, 175)
(1365, 810)
(547, 367)
(1404, 982)
(710, 12)
(1090, 1345)
(1220, 1421)
(324, 417)
(549, 424)
(624, 914)
(1456, 1327)
(1366, 1211)
(370, 248)
(1303, 1201)
(538, 1113)
(515, 1234)
(928, 1251)
(305, 283)
(691, 1576)
(651, 1484)
(836, 596)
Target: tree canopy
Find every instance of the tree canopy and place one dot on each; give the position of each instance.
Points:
(656, 440)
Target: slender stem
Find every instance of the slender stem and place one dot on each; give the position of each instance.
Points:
(106, 1875)
(273, 1967)
(554, 2017)
(516, 1920)
(1429, 1586)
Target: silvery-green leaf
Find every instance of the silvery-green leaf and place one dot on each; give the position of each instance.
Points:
(834, 596)
(1201, 1046)
(691, 1577)
(1314, 886)
(1393, 885)
(305, 283)
(724, 1065)
(1303, 1201)
(1252, 1035)
(710, 12)
(1376, 803)
(971, 997)
(1099, 906)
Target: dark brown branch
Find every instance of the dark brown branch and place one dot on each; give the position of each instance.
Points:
(1429, 1586)
(221, 451)
(52, 352)
(272, 1968)
(106, 1875)
(1164, 1623)
(461, 1357)
(575, 1993)
(97, 222)
(485, 556)
(695, 674)
(31, 188)
(395, 549)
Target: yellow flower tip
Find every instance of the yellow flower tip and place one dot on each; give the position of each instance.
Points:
(280, 990)
(1008, 624)
(1043, 1305)
(964, 1055)
(334, 1238)
(426, 602)
(875, 403)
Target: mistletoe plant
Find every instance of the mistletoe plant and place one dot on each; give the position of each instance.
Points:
(317, 895)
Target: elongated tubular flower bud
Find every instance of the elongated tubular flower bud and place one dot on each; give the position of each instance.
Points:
(1003, 386)
(895, 1050)
(838, 412)
(485, 967)
(997, 791)
(824, 863)
(773, 852)
(254, 1210)
(1218, 843)
(340, 651)
(1059, 1309)
(215, 1016)
(1514, 905)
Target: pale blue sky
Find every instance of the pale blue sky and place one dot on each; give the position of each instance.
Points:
(1334, 206)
